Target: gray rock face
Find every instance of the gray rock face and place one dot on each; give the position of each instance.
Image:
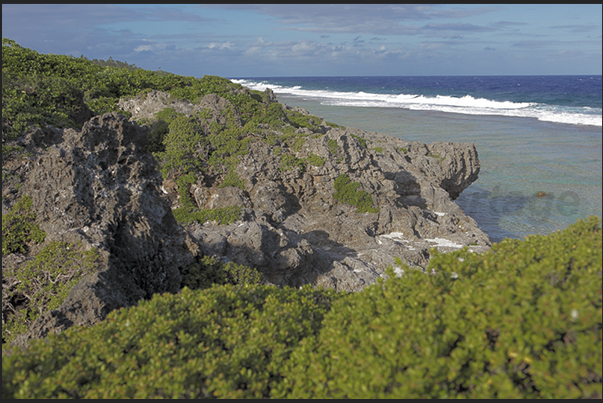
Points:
(99, 187)
(295, 232)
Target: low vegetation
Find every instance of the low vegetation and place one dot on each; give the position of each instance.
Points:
(346, 192)
(210, 271)
(41, 284)
(520, 321)
(223, 216)
(19, 229)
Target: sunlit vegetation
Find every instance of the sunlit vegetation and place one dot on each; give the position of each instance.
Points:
(520, 321)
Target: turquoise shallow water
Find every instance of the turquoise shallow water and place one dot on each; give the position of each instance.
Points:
(519, 158)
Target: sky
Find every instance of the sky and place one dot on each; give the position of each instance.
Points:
(290, 40)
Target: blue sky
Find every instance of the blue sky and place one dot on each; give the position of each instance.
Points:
(269, 40)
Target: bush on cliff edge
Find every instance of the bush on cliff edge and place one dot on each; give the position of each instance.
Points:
(522, 320)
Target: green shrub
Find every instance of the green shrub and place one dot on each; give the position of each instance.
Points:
(208, 272)
(520, 321)
(298, 142)
(38, 89)
(289, 161)
(42, 284)
(223, 216)
(226, 341)
(183, 142)
(228, 146)
(103, 105)
(160, 128)
(19, 229)
(361, 140)
(184, 183)
(274, 114)
(299, 121)
(33, 101)
(345, 192)
(232, 179)
(316, 160)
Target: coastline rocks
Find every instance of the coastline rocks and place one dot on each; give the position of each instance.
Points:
(295, 232)
(99, 188)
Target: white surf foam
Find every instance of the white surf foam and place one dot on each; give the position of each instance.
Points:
(441, 103)
(441, 242)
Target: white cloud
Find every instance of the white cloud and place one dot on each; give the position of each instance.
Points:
(220, 46)
(143, 48)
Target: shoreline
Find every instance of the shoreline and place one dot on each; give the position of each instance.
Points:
(520, 157)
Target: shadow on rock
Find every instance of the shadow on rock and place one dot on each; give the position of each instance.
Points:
(284, 257)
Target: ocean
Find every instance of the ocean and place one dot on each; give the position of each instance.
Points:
(538, 137)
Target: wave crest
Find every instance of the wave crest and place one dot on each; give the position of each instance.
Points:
(442, 103)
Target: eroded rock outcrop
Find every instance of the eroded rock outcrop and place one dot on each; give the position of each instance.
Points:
(296, 232)
(293, 229)
(98, 188)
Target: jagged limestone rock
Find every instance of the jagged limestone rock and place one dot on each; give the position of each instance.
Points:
(99, 187)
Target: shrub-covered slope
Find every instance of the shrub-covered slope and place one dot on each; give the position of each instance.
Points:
(520, 321)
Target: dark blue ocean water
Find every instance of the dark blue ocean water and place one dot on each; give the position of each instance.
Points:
(563, 99)
(533, 134)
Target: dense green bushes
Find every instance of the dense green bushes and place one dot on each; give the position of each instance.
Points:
(223, 342)
(19, 229)
(39, 89)
(210, 271)
(520, 321)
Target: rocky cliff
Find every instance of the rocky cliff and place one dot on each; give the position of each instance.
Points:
(101, 188)
(295, 231)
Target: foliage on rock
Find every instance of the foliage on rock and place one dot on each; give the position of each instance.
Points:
(19, 229)
(346, 192)
(520, 321)
(41, 284)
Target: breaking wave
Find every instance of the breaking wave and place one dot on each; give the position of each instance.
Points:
(440, 103)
